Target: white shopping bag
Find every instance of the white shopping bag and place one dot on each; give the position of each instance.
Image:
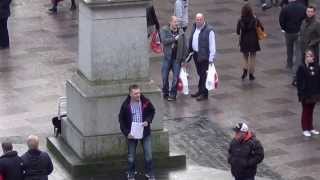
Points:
(183, 85)
(212, 78)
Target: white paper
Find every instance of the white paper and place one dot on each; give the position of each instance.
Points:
(137, 130)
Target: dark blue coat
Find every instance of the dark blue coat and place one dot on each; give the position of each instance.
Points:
(125, 115)
(38, 165)
(5, 8)
(11, 166)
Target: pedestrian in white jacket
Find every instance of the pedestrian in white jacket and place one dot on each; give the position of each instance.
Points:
(181, 12)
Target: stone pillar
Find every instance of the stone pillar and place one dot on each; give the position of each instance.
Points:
(113, 53)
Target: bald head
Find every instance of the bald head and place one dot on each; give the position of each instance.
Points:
(199, 20)
(173, 23)
(33, 142)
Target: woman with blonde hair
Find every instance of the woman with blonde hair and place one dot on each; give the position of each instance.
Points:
(308, 86)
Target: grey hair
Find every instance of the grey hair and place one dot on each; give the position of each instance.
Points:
(33, 142)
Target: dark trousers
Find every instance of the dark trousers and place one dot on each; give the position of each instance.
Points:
(307, 116)
(202, 68)
(315, 49)
(4, 34)
(242, 178)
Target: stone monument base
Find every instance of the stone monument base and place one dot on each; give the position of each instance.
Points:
(113, 165)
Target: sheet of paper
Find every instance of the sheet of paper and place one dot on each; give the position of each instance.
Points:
(137, 130)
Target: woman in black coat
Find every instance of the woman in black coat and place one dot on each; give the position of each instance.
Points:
(249, 42)
(308, 86)
(4, 15)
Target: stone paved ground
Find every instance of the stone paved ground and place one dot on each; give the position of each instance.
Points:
(43, 55)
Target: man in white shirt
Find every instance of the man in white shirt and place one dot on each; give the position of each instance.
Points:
(202, 43)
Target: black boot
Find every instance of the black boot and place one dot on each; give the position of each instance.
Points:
(251, 77)
(244, 74)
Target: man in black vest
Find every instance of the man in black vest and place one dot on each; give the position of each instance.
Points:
(202, 44)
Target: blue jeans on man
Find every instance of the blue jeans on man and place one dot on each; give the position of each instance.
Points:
(147, 151)
(167, 65)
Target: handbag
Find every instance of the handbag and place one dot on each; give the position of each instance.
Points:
(155, 43)
(260, 33)
(182, 85)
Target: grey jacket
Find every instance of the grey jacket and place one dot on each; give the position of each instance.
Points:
(181, 9)
(168, 40)
(309, 33)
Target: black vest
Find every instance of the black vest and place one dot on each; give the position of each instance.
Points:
(203, 42)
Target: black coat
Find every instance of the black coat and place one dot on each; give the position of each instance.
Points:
(5, 8)
(11, 166)
(125, 115)
(308, 83)
(38, 165)
(291, 17)
(244, 156)
(283, 3)
(246, 28)
(152, 17)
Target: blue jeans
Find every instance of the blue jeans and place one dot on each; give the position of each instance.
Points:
(167, 65)
(147, 151)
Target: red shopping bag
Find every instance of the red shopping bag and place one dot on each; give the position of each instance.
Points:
(155, 43)
(179, 85)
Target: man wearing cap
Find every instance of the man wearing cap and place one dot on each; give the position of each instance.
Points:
(245, 153)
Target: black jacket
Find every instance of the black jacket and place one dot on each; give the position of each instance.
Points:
(247, 29)
(152, 17)
(244, 156)
(38, 165)
(11, 166)
(125, 115)
(308, 82)
(5, 8)
(283, 3)
(291, 17)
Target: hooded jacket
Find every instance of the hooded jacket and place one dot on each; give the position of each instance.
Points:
(38, 165)
(244, 156)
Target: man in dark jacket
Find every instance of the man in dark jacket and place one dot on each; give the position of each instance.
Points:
(4, 15)
(290, 20)
(11, 165)
(136, 111)
(310, 32)
(245, 153)
(175, 52)
(38, 164)
(203, 44)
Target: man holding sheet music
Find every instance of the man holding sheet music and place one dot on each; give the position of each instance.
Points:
(135, 118)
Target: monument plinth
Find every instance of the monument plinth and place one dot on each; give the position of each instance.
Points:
(113, 53)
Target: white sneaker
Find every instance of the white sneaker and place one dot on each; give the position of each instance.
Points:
(315, 132)
(307, 133)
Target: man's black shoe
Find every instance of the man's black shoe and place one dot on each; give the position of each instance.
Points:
(251, 77)
(195, 94)
(202, 97)
(172, 98)
(294, 83)
(53, 10)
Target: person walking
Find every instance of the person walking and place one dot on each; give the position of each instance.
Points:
(38, 164)
(290, 20)
(175, 51)
(152, 20)
(181, 8)
(310, 32)
(136, 108)
(4, 15)
(55, 3)
(245, 153)
(11, 165)
(203, 45)
(248, 41)
(308, 87)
